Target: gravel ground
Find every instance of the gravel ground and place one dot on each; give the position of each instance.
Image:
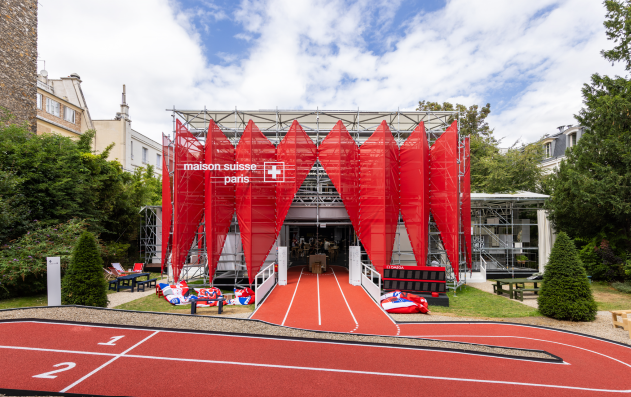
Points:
(207, 323)
(601, 327)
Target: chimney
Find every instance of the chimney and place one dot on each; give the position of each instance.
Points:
(124, 107)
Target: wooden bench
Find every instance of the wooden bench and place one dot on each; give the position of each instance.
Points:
(194, 303)
(518, 293)
(502, 290)
(146, 283)
(623, 323)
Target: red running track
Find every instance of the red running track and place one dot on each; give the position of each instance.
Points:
(111, 360)
(324, 302)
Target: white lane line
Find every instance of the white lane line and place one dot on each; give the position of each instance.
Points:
(292, 297)
(318, 285)
(516, 337)
(345, 301)
(107, 363)
(385, 374)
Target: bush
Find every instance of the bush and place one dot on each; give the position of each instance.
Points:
(622, 287)
(565, 293)
(84, 282)
(23, 261)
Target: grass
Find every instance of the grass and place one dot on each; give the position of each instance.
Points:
(24, 301)
(471, 302)
(153, 303)
(608, 298)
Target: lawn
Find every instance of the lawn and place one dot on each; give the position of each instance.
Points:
(28, 301)
(608, 298)
(471, 302)
(153, 303)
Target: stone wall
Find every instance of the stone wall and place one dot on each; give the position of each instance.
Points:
(18, 59)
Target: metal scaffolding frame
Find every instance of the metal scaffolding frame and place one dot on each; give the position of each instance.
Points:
(317, 190)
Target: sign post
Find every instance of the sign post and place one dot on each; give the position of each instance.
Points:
(282, 265)
(53, 271)
(355, 265)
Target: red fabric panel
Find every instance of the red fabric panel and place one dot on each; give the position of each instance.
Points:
(339, 155)
(188, 197)
(379, 198)
(299, 153)
(167, 206)
(256, 199)
(414, 173)
(466, 199)
(220, 200)
(444, 195)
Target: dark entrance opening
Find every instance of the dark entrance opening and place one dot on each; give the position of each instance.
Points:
(332, 240)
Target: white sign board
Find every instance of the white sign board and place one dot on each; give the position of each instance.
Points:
(355, 265)
(53, 271)
(282, 265)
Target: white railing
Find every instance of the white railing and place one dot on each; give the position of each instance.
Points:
(374, 290)
(483, 267)
(269, 279)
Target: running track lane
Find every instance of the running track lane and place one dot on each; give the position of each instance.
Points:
(342, 307)
(163, 361)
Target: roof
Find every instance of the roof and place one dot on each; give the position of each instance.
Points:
(522, 197)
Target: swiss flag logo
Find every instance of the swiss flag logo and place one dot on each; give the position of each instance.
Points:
(274, 172)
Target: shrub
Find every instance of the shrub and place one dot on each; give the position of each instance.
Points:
(23, 261)
(84, 282)
(565, 293)
(622, 287)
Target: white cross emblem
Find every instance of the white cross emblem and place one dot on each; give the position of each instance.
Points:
(274, 171)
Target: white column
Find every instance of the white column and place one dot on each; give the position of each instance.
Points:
(282, 265)
(354, 265)
(53, 272)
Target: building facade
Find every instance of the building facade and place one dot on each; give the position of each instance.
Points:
(18, 59)
(131, 148)
(61, 106)
(554, 146)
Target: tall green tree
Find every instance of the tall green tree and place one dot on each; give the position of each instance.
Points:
(618, 29)
(492, 170)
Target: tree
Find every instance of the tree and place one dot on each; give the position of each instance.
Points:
(565, 293)
(492, 171)
(84, 283)
(618, 29)
(592, 190)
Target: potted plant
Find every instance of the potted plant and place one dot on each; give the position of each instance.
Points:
(521, 259)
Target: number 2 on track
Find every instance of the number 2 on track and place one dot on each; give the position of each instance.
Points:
(113, 339)
(49, 375)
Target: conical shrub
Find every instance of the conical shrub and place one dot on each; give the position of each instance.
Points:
(84, 283)
(565, 293)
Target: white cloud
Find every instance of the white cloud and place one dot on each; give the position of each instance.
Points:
(312, 53)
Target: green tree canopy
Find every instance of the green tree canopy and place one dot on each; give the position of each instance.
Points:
(493, 171)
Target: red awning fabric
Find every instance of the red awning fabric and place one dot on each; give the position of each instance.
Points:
(188, 195)
(465, 189)
(379, 195)
(167, 206)
(220, 192)
(297, 153)
(414, 180)
(339, 155)
(255, 197)
(444, 194)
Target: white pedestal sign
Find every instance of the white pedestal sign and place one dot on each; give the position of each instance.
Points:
(355, 265)
(282, 265)
(53, 271)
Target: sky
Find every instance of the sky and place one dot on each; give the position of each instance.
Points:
(528, 58)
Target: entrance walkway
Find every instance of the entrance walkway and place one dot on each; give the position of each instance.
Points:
(324, 302)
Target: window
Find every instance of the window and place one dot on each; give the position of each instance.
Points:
(69, 114)
(158, 161)
(145, 154)
(571, 140)
(52, 107)
(132, 150)
(39, 100)
(548, 150)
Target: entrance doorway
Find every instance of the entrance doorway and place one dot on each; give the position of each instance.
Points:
(332, 240)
